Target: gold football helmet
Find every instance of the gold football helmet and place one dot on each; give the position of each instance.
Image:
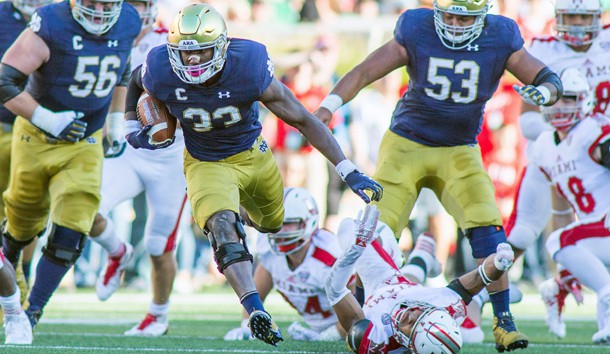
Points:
(150, 11)
(197, 27)
(459, 37)
(27, 7)
(92, 19)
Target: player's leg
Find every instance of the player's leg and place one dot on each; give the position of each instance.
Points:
(214, 192)
(166, 197)
(17, 327)
(468, 195)
(74, 191)
(580, 247)
(120, 182)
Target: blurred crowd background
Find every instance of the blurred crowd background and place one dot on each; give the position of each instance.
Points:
(312, 43)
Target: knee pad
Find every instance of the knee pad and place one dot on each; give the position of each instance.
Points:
(64, 245)
(485, 239)
(227, 252)
(12, 247)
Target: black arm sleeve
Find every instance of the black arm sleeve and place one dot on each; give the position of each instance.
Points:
(605, 150)
(126, 75)
(12, 82)
(134, 90)
(547, 75)
(456, 286)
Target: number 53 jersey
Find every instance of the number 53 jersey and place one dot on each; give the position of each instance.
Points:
(448, 88)
(83, 69)
(569, 165)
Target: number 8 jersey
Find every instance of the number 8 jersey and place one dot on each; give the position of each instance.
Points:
(569, 165)
(448, 88)
(96, 63)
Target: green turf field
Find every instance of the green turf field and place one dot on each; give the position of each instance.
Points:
(79, 323)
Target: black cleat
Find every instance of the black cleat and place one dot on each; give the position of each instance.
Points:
(263, 328)
(34, 314)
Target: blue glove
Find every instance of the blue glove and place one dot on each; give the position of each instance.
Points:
(140, 139)
(359, 182)
(534, 95)
(74, 131)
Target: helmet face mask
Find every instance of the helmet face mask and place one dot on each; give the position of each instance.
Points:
(301, 219)
(459, 37)
(148, 14)
(27, 7)
(580, 32)
(577, 102)
(195, 28)
(433, 331)
(93, 20)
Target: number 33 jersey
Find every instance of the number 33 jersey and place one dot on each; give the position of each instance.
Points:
(448, 88)
(594, 63)
(83, 69)
(569, 165)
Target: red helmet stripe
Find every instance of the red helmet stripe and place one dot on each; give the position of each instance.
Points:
(452, 345)
(364, 344)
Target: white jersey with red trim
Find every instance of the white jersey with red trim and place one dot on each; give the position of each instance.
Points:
(303, 287)
(593, 63)
(569, 165)
(379, 307)
(155, 37)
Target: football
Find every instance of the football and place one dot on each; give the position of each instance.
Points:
(152, 112)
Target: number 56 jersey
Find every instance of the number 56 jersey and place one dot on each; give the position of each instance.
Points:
(83, 69)
(569, 165)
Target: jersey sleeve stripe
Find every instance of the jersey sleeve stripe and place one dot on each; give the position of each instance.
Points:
(384, 255)
(605, 134)
(324, 256)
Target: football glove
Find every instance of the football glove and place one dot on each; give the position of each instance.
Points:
(64, 125)
(358, 182)
(366, 223)
(504, 257)
(534, 95)
(139, 138)
(114, 142)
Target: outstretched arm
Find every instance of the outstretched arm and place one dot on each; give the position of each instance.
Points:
(542, 86)
(280, 100)
(343, 302)
(378, 64)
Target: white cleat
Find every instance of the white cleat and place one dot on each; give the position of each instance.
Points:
(471, 333)
(554, 299)
(151, 326)
(109, 280)
(602, 336)
(18, 329)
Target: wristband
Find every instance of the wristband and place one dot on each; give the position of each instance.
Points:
(332, 102)
(115, 122)
(545, 92)
(344, 168)
(131, 126)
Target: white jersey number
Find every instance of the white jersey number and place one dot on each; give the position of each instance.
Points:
(470, 84)
(202, 119)
(102, 84)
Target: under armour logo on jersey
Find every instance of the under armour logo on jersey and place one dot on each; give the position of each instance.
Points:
(35, 22)
(472, 48)
(270, 67)
(227, 94)
(263, 146)
(112, 43)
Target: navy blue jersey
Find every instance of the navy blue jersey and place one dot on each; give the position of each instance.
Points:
(448, 88)
(220, 120)
(12, 25)
(83, 68)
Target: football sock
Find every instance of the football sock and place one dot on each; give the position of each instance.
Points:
(48, 277)
(252, 302)
(499, 301)
(585, 266)
(11, 304)
(158, 310)
(109, 241)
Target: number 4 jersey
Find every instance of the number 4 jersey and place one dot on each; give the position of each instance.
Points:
(594, 63)
(448, 88)
(83, 69)
(569, 165)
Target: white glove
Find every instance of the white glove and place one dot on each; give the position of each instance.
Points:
(115, 142)
(239, 333)
(63, 125)
(299, 332)
(366, 223)
(504, 257)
